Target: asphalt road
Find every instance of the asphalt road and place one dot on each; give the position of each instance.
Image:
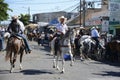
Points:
(38, 66)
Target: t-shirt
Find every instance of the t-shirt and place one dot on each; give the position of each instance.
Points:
(62, 28)
(94, 33)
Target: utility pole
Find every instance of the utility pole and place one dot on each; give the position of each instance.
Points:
(84, 7)
(80, 12)
(29, 12)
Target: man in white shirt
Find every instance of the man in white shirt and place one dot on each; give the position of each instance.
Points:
(61, 27)
(95, 35)
(22, 27)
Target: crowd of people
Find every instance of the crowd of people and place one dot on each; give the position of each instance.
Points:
(61, 29)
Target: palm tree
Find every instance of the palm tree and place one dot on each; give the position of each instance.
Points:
(3, 10)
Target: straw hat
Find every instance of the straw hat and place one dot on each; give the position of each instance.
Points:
(62, 17)
(15, 17)
(92, 28)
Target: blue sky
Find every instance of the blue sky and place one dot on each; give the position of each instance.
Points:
(40, 6)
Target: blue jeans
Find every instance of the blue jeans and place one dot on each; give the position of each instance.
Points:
(25, 41)
(1, 43)
(97, 41)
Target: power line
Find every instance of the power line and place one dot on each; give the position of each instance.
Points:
(71, 7)
(57, 2)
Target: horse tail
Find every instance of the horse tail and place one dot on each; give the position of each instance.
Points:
(8, 50)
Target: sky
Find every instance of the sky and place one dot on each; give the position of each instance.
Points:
(41, 6)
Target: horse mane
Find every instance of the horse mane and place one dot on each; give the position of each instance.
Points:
(67, 35)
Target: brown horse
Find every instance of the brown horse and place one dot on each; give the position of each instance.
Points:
(113, 51)
(32, 36)
(15, 46)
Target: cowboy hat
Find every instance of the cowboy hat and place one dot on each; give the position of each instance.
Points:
(92, 28)
(15, 17)
(62, 17)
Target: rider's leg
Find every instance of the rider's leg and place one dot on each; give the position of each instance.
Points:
(26, 42)
(97, 42)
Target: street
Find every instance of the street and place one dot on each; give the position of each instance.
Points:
(39, 66)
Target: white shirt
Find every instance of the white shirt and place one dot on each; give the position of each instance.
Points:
(62, 28)
(22, 27)
(94, 33)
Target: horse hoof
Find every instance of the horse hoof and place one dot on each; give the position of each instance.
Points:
(62, 72)
(53, 66)
(11, 71)
(58, 68)
(21, 68)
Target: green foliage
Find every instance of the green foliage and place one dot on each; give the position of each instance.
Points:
(25, 18)
(3, 10)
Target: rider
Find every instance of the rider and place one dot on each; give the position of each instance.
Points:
(61, 27)
(19, 31)
(95, 35)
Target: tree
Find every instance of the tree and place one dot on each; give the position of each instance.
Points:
(3, 10)
(25, 18)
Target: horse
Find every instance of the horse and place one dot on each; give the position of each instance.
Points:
(15, 46)
(113, 51)
(32, 36)
(85, 46)
(63, 47)
(88, 48)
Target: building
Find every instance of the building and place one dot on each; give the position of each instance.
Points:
(107, 17)
(47, 17)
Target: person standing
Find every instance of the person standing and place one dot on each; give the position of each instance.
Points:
(2, 38)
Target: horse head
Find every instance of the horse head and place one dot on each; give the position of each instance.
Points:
(70, 35)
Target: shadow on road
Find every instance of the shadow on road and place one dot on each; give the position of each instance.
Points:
(36, 72)
(4, 71)
(106, 62)
(108, 73)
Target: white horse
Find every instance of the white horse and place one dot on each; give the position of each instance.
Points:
(85, 46)
(63, 48)
(88, 49)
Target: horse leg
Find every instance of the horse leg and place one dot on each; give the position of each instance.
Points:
(81, 54)
(57, 59)
(21, 55)
(63, 62)
(71, 55)
(51, 51)
(11, 62)
(54, 61)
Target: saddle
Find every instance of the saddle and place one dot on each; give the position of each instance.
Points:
(11, 40)
(18, 37)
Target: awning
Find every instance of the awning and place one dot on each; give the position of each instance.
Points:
(32, 26)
